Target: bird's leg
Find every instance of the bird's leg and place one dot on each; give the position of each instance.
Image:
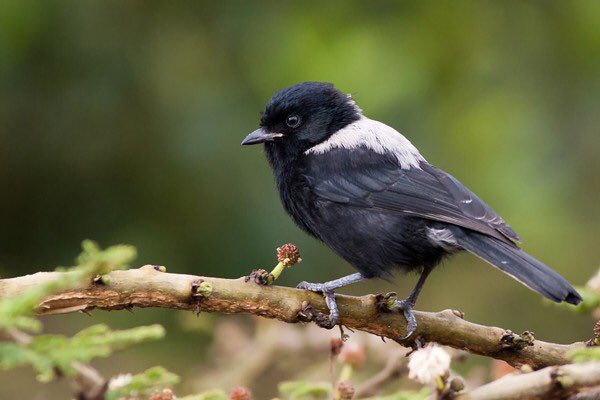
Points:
(406, 305)
(328, 289)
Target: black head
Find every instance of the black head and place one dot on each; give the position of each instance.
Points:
(303, 115)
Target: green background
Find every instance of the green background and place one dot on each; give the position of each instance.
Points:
(122, 122)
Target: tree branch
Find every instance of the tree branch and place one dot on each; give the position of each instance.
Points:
(548, 383)
(148, 287)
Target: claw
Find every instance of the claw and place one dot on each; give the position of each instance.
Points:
(323, 320)
(407, 310)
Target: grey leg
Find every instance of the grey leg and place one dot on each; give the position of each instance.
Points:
(328, 289)
(407, 304)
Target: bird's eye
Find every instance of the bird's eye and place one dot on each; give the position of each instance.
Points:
(293, 121)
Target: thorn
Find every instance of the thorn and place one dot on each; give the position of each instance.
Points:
(343, 336)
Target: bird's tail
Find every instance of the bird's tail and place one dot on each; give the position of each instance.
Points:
(518, 264)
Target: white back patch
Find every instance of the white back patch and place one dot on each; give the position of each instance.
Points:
(373, 135)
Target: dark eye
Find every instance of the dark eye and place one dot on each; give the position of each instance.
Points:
(293, 121)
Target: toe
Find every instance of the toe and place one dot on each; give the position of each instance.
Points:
(326, 321)
(411, 323)
(302, 285)
(313, 287)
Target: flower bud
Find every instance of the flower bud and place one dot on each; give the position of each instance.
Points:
(352, 354)
(345, 390)
(240, 393)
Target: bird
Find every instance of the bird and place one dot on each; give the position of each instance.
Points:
(363, 189)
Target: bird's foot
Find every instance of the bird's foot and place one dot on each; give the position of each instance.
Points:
(321, 319)
(389, 303)
(407, 309)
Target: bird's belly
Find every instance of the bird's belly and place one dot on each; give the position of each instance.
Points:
(375, 242)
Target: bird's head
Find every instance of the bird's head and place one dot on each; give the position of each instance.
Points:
(303, 115)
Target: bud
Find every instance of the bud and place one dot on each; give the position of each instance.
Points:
(345, 390)
(457, 384)
(597, 330)
(352, 354)
(240, 393)
(336, 346)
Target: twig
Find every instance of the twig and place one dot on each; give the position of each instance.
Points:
(149, 287)
(548, 383)
(395, 366)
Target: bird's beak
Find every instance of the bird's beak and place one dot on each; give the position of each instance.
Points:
(260, 136)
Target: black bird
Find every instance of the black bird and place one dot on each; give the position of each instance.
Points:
(363, 189)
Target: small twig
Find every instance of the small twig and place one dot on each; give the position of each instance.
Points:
(147, 287)
(394, 367)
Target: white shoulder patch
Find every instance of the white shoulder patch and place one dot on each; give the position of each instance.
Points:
(374, 135)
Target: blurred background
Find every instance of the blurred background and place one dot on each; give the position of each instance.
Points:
(122, 121)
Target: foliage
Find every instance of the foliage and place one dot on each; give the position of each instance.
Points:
(17, 312)
(303, 390)
(405, 395)
(585, 354)
(591, 300)
(142, 385)
(296, 390)
(210, 395)
(51, 353)
(54, 355)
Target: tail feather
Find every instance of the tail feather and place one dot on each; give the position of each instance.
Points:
(518, 264)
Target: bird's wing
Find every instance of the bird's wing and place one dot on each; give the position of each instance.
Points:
(363, 178)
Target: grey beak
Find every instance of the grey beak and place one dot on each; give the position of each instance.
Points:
(260, 136)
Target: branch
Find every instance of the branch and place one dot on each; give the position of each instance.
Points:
(148, 287)
(548, 383)
(395, 366)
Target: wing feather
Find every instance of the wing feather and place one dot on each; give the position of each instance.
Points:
(367, 179)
